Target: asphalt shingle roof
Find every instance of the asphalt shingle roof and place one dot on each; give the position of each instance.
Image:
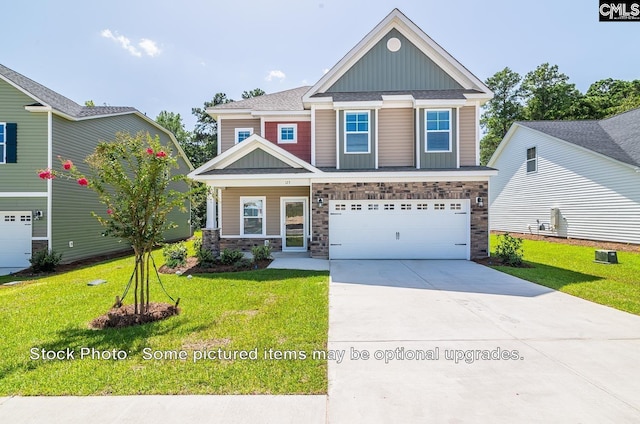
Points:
(288, 100)
(58, 101)
(617, 137)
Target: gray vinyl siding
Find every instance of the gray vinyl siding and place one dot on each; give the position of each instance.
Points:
(32, 142)
(28, 204)
(598, 198)
(396, 137)
(228, 132)
(438, 159)
(358, 160)
(73, 204)
(258, 159)
(325, 137)
(407, 69)
(230, 205)
(468, 128)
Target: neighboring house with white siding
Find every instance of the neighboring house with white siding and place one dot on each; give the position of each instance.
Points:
(36, 126)
(576, 179)
(377, 160)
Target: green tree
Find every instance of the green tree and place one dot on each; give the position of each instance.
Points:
(204, 143)
(252, 93)
(89, 103)
(501, 111)
(608, 97)
(549, 95)
(132, 178)
(173, 122)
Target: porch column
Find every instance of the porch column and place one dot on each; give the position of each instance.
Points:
(212, 212)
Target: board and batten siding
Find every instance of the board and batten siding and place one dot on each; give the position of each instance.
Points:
(230, 205)
(598, 198)
(228, 132)
(396, 137)
(32, 138)
(468, 133)
(73, 204)
(325, 138)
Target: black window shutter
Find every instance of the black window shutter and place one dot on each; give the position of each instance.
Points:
(12, 143)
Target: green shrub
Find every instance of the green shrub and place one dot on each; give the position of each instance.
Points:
(509, 249)
(205, 257)
(231, 256)
(243, 263)
(175, 254)
(261, 253)
(45, 261)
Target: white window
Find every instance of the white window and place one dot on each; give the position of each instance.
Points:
(252, 216)
(3, 142)
(242, 134)
(287, 133)
(356, 132)
(532, 159)
(438, 130)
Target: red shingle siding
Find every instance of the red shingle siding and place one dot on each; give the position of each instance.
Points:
(302, 148)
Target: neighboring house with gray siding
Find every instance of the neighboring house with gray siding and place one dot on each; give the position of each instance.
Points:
(576, 179)
(377, 160)
(38, 125)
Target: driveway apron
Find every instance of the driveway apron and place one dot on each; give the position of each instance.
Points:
(454, 341)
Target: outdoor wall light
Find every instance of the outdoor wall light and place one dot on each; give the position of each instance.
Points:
(479, 201)
(37, 215)
(320, 202)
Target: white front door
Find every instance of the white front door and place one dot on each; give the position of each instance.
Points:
(293, 213)
(15, 239)
(399, 229)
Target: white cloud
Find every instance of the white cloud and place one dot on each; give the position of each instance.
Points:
(275, 74)
(149, 47)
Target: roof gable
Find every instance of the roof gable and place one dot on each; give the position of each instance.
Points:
(381, 69)
(257, 153)
(397, 24)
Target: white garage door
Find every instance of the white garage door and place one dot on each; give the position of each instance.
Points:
(15, 239)
(399, 229)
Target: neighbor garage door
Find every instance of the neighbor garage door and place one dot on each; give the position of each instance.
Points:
(399, 229)
(15, 239)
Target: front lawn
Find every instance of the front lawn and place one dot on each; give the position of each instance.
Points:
(571, 269)
(238, 314)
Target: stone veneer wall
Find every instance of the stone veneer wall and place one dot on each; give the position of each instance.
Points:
(245, 244)
(211, 240)
(319, 245)
(38, 245)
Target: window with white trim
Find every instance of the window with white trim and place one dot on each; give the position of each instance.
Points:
(252, 216)
(356, 132)
(3, 142)
(242, 134)
(437, 130)
(287, 133)
(532, 159)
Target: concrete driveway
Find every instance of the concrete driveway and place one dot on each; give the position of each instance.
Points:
(453, 342)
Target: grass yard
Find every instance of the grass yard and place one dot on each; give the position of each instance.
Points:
(282, 310)
(570, 269)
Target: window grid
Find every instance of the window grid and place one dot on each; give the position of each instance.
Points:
(341, 207)
(287, 133)
(389, 207)
(356, 207)
(405, 207)
(439, 206)
(456, 206)
(356, 134)
(532, 159)
(9, 218)
(373, 207)
(25, 218)
(422, 206)
(3, 142)
(438, 131)
(242, 134)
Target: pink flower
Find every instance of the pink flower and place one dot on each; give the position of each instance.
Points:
(46, 174)
(109, 211)
(67, 165)
(150, 150)
(161, 154)
(83, 181)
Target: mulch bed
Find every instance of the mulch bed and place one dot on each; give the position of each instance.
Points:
(124, 316)
(607, 245)
(192, 267)
(495, 261)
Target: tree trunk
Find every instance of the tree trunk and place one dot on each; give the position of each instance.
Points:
(140, 263)
(135, 288)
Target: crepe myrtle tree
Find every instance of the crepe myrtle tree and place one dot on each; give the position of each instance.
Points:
(132, 177)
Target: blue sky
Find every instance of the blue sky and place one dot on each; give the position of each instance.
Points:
(174, 55)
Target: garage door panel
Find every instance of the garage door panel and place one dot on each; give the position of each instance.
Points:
(399, 229)
(15, 239)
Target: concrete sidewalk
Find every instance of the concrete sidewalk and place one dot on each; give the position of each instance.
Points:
(294, 260)
(164, 409)
(492, 348)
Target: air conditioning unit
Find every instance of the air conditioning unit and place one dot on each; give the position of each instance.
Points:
(606, 257)
(554, 219)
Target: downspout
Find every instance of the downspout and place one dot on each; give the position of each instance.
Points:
(49, 181)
